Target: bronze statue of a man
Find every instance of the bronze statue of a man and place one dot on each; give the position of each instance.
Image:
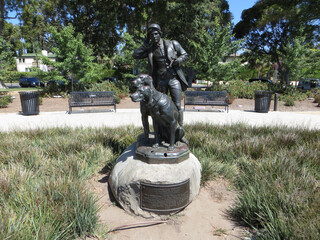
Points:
(165, 58)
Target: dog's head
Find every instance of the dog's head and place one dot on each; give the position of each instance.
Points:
(142, 80)
(143, 85)
(143, 93)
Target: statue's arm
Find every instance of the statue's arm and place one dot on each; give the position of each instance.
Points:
(181, 53)
(142, 51)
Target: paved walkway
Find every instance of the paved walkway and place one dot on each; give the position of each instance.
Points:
(123, 117)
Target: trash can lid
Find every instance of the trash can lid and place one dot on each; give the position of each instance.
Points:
(28, 92)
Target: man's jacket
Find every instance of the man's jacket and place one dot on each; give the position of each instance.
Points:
(173, 51)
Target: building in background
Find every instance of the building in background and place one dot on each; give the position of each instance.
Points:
(29, 60)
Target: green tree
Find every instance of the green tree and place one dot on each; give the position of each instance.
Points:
(295, 58)
(124, 63)
(270, 25)
(33, 28)
(212, 49)
(261, 64)
(312, 67)
(12, 34)
(7, 61)
(99, 22)
(7, 6)
(201, 27)
(73, 56)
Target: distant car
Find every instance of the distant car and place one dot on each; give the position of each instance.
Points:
(308, 83)
(30, 82)
(264, 80)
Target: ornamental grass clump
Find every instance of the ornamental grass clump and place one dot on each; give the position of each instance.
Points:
(317, 99)
(43, 176)
(276, 171)
(5, 100)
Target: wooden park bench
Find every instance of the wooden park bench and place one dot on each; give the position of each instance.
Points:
(89, 99)
(211, 98)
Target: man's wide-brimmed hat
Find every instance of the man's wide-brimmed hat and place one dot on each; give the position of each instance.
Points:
(154, 26)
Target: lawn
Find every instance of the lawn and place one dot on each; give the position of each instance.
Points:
(43, 192)
(20, 89)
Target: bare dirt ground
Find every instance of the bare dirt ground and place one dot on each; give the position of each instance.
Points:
(205, 218)
(61, 104)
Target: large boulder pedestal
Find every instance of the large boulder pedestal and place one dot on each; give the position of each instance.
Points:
(152, 182)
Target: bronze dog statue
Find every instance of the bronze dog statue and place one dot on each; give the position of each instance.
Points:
(162, 110)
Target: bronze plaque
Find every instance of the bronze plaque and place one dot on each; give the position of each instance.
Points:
(164, 198)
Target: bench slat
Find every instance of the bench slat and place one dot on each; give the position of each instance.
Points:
(86, 99)
(212, 98)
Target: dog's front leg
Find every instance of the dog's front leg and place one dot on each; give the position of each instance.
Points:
(156, 134)
(146, 129)
(172, 135)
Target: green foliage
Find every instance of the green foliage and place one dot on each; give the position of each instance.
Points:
(33, 28)
(73, 56)
(294, 58)
(312, 67)
(103, 26)
(317, 98)
(5, 100)
(125, 64)
(259, 63)
(288, 100)
(291, 93)
(120, 88)
(275, 171)
(96, 72)
(245, 73)
(240, 89)
(243, 89)
(7, 61)
(211, 49)
(283, 31)
(43, 181)
(11, 33)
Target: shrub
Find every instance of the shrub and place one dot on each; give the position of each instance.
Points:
(317, 99)
(240, 89)
(120, 88)
(5, 100)
(288, 100)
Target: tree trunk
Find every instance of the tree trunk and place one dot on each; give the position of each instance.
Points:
(287, 78)
(1, 16)
(275, 76)
(2, 85)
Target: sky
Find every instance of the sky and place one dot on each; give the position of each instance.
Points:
(235, 6)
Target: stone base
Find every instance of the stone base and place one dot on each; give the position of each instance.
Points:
(150, 190)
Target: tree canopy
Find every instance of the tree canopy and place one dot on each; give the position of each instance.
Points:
(271, 26)
(112, 29)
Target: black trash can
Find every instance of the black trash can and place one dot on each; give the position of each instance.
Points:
(29, 102)
(262, 100)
